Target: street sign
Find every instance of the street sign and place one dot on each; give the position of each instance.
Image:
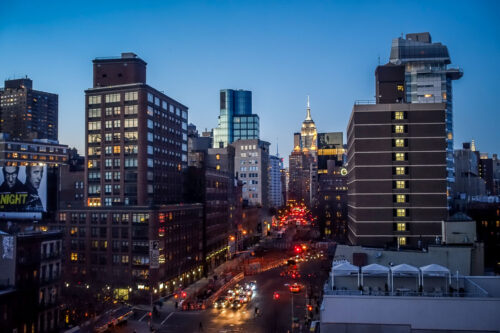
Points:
(154, 254)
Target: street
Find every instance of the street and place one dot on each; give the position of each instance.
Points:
(275, 314)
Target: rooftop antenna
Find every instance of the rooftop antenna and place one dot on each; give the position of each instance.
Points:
(379, 60)
(277, 143)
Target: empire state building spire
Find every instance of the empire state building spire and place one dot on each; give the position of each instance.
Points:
(308, 115)
(308, 132)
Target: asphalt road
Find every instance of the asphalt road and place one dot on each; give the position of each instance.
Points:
(275, 317)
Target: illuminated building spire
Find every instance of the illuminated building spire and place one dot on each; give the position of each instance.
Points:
(308, 115)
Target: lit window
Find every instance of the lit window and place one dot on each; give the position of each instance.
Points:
(400, 184)
(399, 115)
(402, 241)
(400, 156)
(217, 167)
(401, 87)
(116, 149)
(400, 142)
(401, 226)
(217, 157)
(400, 171)
(400, 198)
(401, 212)
(74, 256)
(399, 129)
(428, 95)
(95, 99)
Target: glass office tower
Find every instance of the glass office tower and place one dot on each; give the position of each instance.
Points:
(428, 80)
(236, 121)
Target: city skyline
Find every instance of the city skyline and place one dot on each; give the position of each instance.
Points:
(292, 53)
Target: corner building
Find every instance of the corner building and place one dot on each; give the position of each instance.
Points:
(397, 174)
(136, 137)
(134, 234)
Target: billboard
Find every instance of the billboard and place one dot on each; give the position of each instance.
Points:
(23, 191)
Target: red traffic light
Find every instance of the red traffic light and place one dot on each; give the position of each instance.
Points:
(276, 296)
(297, 249)
(149, 314)
(309, 307)
(184, 294)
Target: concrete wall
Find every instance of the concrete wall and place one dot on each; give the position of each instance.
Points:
(422, 313)
(455, 258)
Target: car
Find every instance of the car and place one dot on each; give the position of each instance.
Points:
(235, 305)
(295, 288)
(221, 303)
(252, 285)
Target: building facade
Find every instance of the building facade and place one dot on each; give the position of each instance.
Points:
(136, 143)
(236, 121)
(251, 166)
(111, 247)
(27, 113)
(30, 277)
(397, 174)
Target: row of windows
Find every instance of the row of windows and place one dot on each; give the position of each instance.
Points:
(115, 136)
(113, 111)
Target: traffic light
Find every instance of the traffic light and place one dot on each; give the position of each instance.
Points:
(309, 307)
(184, 294)
(297, 249)
(276, 296)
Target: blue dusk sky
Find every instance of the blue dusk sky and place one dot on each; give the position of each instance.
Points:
(280, 50)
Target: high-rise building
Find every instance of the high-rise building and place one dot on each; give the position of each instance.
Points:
(133, 234)
(251, 167)
(308, 133)
(236, 121)
(397, 174)
(27, 113)
(136, 137)
(331, 206)
(275, 195)
(427, 79)
(303, 161)
(210, 181)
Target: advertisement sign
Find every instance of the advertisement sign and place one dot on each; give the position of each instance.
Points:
(23, 191)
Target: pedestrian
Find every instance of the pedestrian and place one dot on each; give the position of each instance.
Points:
(176, 305)
(200, 327)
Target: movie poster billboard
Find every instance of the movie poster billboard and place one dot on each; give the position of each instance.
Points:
(23, 191)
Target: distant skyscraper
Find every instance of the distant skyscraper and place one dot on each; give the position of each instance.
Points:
(236, 121)
(428, 80)
(275, 196)
(308, 133)
(26, 113)
(303, 180)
